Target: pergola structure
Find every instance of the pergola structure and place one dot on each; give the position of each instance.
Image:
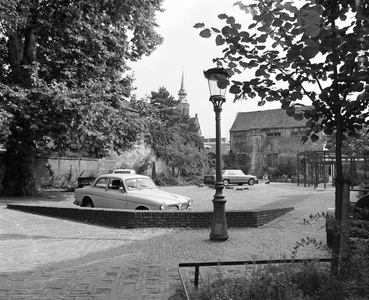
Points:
(320, 167)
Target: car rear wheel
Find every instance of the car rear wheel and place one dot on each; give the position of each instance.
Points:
(251, 181)
(88, 203)
(226, 182)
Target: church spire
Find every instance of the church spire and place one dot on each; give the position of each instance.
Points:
(182, 92)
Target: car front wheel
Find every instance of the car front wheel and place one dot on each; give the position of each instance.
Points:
(88, 203)
(142, 208)
(251, 181)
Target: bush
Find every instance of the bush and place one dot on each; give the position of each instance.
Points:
(296, 281)
(293, 281)
(164, 179)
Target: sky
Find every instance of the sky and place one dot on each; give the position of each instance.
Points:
(184, 50)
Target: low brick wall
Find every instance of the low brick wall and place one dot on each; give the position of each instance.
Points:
(150, 218)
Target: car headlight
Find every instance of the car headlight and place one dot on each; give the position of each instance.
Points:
(190, 202)
(163, 206)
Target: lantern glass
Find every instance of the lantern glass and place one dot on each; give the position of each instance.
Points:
(218, 81)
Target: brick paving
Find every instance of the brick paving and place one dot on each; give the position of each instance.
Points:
(48, 258)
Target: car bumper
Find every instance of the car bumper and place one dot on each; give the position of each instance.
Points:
(77, 203)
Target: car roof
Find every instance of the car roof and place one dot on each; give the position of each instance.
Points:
(123, 176)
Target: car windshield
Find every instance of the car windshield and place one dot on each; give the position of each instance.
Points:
(140, 184)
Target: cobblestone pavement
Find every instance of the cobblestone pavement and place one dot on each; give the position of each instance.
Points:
(48, 258)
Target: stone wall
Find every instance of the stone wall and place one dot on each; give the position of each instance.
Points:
(62, 172)
(142, 219)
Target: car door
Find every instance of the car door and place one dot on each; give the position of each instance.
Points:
(115, 195)
(232, 176)
(240, 177)
(97, 191)
(133, 194)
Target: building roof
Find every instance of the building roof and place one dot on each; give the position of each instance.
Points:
(265, 119)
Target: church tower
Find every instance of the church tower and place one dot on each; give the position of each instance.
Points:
(183, 106)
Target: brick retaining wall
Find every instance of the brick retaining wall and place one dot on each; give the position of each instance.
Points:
(141, 219)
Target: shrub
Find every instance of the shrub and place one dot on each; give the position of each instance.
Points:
(292, 281)
(164, 179)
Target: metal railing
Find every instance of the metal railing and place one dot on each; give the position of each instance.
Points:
(234, 263)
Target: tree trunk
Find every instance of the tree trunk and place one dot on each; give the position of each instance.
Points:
(19, 178)
(20, 149)
(338, 196)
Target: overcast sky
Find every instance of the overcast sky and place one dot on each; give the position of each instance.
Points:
(183, 48)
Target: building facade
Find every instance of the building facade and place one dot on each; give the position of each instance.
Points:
(270, 139)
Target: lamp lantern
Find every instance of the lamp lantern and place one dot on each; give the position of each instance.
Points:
(218, 83)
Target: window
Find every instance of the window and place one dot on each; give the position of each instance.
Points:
(298, 131)
(272, 159)
(131, 184)
(101, 183)
(115, 184)
(273, 134)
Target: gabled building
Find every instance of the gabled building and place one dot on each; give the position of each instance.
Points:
(269, 138)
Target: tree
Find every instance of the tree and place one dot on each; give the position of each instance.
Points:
(359, 144)
(63, 81)
(316, 50)
(165, 107)
(173, 137)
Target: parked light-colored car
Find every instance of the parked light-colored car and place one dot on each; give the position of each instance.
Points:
(129, 191)
(359, 212)
(124, 171)
(232, 177)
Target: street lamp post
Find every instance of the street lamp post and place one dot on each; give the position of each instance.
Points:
(218, 82)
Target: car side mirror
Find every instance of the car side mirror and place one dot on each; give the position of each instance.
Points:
(121, 189)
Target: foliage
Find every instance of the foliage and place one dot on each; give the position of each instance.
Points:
(315, 50)
(304, 281)
(173, 137)
(284, 168)
(240, 157)
(360, 143)
(164, 107)
(166, 179)
(293, 281)
(63, 80)
(293, 49)
(239, 161)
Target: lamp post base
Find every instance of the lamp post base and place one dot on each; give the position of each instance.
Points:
(219, 230)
